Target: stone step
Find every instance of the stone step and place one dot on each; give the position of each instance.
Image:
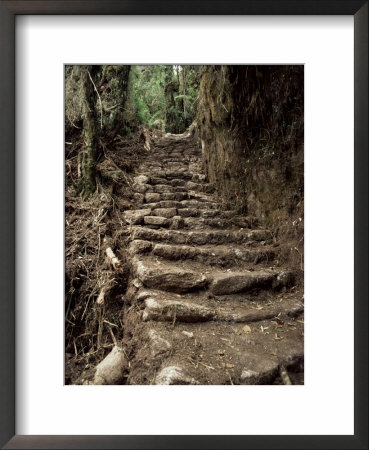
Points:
(208, 237)
(200, 187)
(136, 216)
(141, 188)
(157, 180)
(169, 278)
(181, 182)
(171, 310)
(214, 222)
(221, 255)
(202, 197)
(186, 277)
(202, 222)
(177, 191)
(232, 216)
(156, 172)
(178, 185)
(165, 212)
(217, 353)
(156, 221)
(193, 218)
(174, 196)
(177, 182)
(168, 204)
(165, 188)
(195, 212)
(159, 172)
(160, 307)
(192, 189)
(234, 282)
(141, 179)
(180, 189)
(203, 202)
(182, 174)
(174, 161)
(178, 200)
(168, 158)
(152, 197)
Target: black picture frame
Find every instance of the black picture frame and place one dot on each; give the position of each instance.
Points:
(8, 12)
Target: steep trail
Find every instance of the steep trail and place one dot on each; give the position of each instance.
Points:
(208, 301)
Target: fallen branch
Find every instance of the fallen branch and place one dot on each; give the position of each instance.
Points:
(111, 324)
(111, 107)
(112, 335)
(104, 291)
(112, 260)
(101, 298)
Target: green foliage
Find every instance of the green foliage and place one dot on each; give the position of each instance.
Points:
(162, 97)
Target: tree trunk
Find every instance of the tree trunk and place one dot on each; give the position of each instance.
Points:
(116, 118)
(170, 90)
(184, 90)
(89, 152)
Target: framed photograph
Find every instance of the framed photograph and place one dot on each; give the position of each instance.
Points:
(185, 226)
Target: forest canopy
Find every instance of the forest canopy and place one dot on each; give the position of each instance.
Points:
(161, 96)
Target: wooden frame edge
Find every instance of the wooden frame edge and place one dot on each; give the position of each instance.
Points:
(7, 224)
(8, 11)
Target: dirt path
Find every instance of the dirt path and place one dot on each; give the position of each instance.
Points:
(208, 301)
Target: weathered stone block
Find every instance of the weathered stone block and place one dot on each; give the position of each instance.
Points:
(111, 369)
(173, 375)
(139, 246)
(141, 188)
(177, 223)
(152, 197)
(168, 278)
(231, 283)
(156, 220)
(165, 212)
(135, 216)
(141, 179)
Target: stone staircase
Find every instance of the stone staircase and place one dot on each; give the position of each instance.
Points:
(208, 301)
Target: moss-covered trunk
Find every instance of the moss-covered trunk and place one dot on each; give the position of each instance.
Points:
(170, 91)
(90, 130)
(115, 80)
